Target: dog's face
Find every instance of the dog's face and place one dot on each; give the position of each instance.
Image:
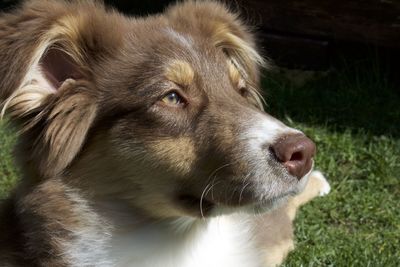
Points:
(162, 113)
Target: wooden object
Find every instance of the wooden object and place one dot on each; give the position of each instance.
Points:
(375, 22)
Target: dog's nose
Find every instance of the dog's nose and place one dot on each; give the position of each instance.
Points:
(295, 151)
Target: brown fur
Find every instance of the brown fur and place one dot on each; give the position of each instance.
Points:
(93, 128)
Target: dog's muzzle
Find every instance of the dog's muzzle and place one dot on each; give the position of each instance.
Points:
(295, 152)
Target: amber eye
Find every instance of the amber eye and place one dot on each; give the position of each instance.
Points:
(173, 99)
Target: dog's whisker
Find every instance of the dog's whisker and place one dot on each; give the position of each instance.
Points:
(211, 188)
(213, 176)
(201, 200)
(204, 194)
(246, 184)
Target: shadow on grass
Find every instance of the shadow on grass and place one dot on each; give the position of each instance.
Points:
(358, 96)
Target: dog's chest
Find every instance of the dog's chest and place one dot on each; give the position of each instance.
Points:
(224, 241)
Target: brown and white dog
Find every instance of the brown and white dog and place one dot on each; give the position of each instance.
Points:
(143, 141)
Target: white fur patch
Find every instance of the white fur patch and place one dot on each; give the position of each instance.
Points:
(266, 130)
(90, 244)
(224, 241)
(326, 188)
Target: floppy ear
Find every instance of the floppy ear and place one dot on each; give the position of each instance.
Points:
(224, 29)
(47, 49)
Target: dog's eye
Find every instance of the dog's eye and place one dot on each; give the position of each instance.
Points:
(244, 92)
(173, 99)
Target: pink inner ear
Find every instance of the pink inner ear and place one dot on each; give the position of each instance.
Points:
(57, 66)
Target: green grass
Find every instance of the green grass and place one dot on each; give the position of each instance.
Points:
(8, 176)
(354, 117)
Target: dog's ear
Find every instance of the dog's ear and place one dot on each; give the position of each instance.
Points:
(47, 53)
(224, 29)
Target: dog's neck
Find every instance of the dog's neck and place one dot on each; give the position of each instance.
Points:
(93, 232)
(177, 242)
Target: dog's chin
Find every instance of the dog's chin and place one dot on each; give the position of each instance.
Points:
(268, 204)
(206, 208)
(257, 207)
(256, 202)
(209, 209)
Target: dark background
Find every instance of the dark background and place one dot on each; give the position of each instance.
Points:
(308, 34)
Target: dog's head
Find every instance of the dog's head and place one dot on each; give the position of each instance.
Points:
(162, 112)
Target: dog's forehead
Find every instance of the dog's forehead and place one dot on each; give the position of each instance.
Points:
(193, 55)
(166, 54)
(184, 40)
(194, 48)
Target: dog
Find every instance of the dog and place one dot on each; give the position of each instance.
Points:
(143, 141)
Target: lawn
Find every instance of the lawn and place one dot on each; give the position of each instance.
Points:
(8, 174)
(353, 114)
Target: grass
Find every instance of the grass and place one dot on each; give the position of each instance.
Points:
(354, 117)
(8, 176)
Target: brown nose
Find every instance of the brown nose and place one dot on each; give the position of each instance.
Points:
(295, 151)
